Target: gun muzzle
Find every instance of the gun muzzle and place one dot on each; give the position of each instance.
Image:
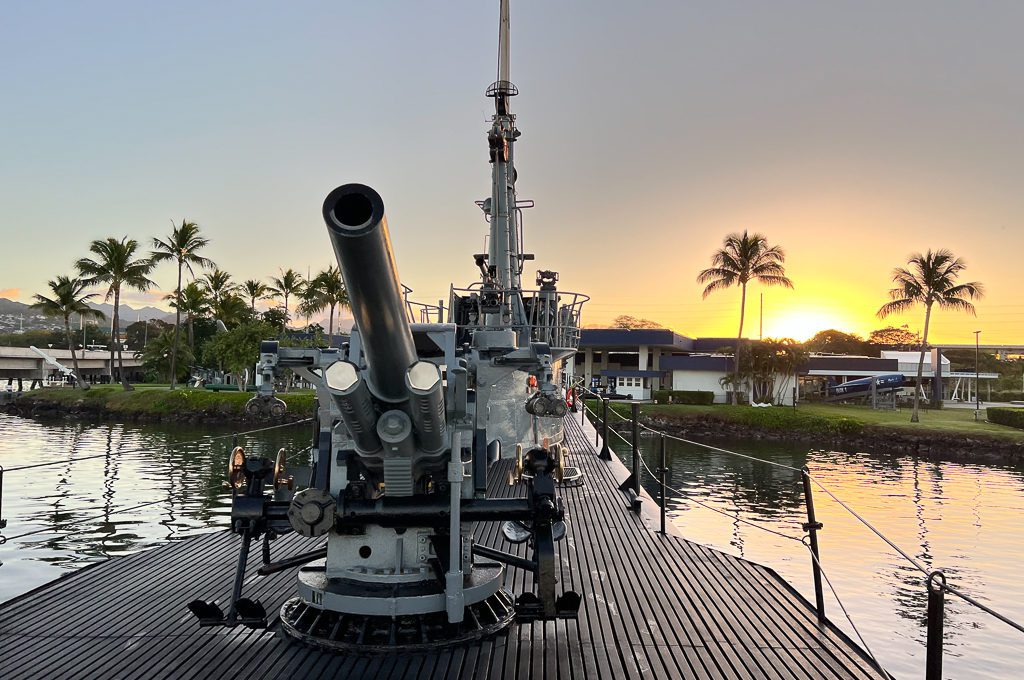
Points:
(354, 214)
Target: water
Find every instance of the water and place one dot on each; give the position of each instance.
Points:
(965, 519)
(184, 480)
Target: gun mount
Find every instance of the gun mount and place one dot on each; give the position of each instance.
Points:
(411, 417)
(400, 471)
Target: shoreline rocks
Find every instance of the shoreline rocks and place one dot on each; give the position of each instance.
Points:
(934, 445)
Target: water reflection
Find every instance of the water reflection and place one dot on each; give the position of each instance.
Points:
(962, 518)
(103, 469)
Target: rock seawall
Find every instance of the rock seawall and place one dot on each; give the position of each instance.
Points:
(869, 439)
(169, 407)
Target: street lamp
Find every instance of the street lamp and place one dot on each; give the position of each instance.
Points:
(977, 375)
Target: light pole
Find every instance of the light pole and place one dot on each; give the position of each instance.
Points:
(977, 375)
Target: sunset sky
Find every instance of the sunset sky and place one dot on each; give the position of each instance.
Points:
(850, 133)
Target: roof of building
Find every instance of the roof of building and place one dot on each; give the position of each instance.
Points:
(632, 338)
(839, 364)
(631, 373)
(697, 362)
(907, 357)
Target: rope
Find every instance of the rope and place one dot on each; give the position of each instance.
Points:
(870, 526)
(979, 605)
(144, 449)
(841, 605)
(720, 450)
(708, 446)
(690, 499)
(218, 485)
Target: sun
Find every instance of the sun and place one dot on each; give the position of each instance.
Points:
(801, 325)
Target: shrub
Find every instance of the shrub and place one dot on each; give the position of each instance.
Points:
(1007, 395)
(1014, 417)
(691, 397)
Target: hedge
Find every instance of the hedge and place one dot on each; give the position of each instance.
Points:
(692, 397)
(1014, 417)
(1007, 395)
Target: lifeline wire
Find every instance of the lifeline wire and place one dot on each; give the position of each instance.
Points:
(916, 563)
(687, 497)
(213, 487)
(150, 448)
(841, 605)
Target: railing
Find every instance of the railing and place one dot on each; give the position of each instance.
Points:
(934, 579)
(422, 312)
(551, 316)
(19, 468)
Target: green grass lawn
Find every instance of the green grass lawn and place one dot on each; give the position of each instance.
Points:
(833, 419)
(159, 400)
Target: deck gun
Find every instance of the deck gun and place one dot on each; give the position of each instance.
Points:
(401, 459)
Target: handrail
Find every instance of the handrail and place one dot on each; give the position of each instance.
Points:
(212, 487)
(936, 577)
(148, 448)
(686, 496)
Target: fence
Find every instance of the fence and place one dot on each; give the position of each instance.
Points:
(934, 580)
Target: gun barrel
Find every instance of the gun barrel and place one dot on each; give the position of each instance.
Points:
(354, 214)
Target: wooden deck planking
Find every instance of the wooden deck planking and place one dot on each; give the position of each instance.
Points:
(653, 606)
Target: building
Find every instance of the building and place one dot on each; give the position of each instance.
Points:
(638, 362)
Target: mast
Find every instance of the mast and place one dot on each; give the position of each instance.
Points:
(504, 259)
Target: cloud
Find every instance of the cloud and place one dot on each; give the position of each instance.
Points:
(10, 293)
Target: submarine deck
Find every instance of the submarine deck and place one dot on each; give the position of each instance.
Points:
(653, 604)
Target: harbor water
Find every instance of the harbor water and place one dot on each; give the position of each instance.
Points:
(959, 517)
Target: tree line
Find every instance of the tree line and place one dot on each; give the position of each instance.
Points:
(929, 279)
(205, 298)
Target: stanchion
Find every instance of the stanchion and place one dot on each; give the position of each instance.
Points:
(3, 522)
(811, 527)
(606, 453)
(662, 469)
(936, 603)
(635, 412)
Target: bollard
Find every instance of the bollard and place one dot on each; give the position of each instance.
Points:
(811, 527)
(606, 453)
(661, 480)
(936, 603)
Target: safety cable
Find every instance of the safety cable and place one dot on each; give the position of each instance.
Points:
(916, 563)
(61, 525)
(150, 448)
(870, 526)
(841, 605)
(687, 497)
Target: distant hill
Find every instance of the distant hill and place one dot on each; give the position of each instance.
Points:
(130, 314)
(17, 315)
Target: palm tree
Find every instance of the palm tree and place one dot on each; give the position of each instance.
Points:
(181, 247)
(156, 355)
(932, 278)
(742, 259)
(68, 299)
(288, 284)
(230, 309)
(116, 266)
(218, 284)
(193, 302)
(254, 290)
(326, 290)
